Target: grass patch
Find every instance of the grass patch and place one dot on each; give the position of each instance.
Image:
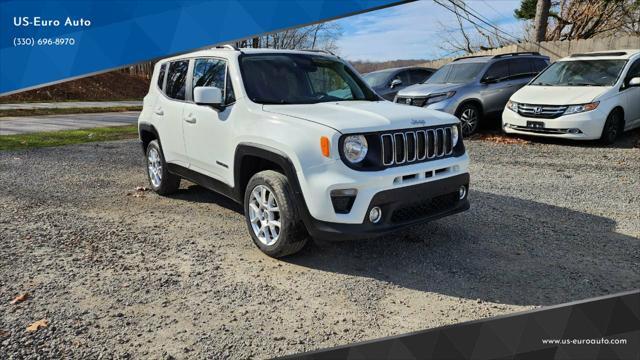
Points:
(63, 111)
(67, 137)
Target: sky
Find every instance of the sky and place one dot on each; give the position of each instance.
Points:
(415, 30)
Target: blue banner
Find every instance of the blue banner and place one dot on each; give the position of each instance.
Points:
(43, 42)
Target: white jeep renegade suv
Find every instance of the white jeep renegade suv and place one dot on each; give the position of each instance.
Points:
(302, 142)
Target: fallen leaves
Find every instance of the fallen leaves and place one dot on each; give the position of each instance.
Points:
(40, 324)
(20, 298)
(501, 139)
(138, 192)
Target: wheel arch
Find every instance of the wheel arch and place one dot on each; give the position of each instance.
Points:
(620, 109)
(251, 158)
(475, 101)
(147, 133)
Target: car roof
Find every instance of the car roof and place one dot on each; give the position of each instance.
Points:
(489, 58)
(603, 55)
(400, 68)
(225, 51)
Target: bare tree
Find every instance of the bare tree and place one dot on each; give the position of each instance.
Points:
(467, 36)
(319, 36)
(584, 19)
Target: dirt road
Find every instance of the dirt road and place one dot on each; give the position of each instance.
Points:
(125, 273)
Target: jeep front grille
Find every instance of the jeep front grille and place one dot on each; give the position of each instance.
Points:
(541, 111)
(415, 145)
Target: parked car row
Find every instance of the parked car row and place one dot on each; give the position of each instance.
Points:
(584, 96)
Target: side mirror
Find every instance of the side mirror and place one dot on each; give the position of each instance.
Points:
(207, 95)
(395, 82)
(634, 82)
(489, 79)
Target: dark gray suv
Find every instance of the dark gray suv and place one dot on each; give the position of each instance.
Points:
(388, 82)
(476, 86)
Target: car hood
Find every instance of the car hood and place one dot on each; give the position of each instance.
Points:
(364, 116)
(428, 89)
(558, 95)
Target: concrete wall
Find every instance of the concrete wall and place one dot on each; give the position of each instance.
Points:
(557, 49)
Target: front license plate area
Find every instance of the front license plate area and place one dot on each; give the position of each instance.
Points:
(535, 124)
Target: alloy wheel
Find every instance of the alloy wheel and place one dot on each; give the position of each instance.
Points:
(264, 215)
(154, 164)
(469, 121)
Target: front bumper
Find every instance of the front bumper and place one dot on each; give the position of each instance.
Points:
(317, 183)
(401, 207)
(589, 123)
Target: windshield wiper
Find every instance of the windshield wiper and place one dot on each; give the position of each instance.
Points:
(582, 84)
(270, 102)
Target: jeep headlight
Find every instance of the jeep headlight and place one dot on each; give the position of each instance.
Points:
(355, 148)
(574, 109)
(439, 97)
(455, 136)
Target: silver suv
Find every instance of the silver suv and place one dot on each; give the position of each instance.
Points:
(474, 87)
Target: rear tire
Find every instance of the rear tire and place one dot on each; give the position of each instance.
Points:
(469, 115)
(271, 215)
(161, 180)
(613, 128)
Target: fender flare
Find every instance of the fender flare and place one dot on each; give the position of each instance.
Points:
(143, 126)
(281, 159)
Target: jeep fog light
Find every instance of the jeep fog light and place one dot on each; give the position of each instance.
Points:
(462, 192)
(375, 214)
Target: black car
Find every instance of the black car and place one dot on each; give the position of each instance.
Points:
(388, 82)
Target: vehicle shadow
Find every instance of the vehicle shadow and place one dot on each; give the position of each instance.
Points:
(198, 194)
(504, 249)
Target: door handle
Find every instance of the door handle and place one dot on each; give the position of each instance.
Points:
(158, 111)
(190, 119)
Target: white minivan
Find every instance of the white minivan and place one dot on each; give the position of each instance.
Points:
(584, 97)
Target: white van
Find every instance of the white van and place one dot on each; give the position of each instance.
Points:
(584, 97)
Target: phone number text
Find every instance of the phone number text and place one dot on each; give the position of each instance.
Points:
(29, 41)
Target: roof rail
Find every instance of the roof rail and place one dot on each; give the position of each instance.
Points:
(517, 54)
(611, 53)
(228, 46)
(469, 57)
(320, 51)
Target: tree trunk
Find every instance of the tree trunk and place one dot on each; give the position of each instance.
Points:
(541, 20)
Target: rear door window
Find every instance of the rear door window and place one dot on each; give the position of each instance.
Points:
(161, 76)
(177, 79)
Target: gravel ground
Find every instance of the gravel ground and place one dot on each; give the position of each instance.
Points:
(139, 275)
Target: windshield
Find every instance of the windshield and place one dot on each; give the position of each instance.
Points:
(455, 73)
(300, 79)
(581, 73)
(376, 79)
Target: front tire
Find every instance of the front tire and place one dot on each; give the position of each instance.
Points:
(271, 215)
(613, 128)
(161, 180)
(469, 115)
